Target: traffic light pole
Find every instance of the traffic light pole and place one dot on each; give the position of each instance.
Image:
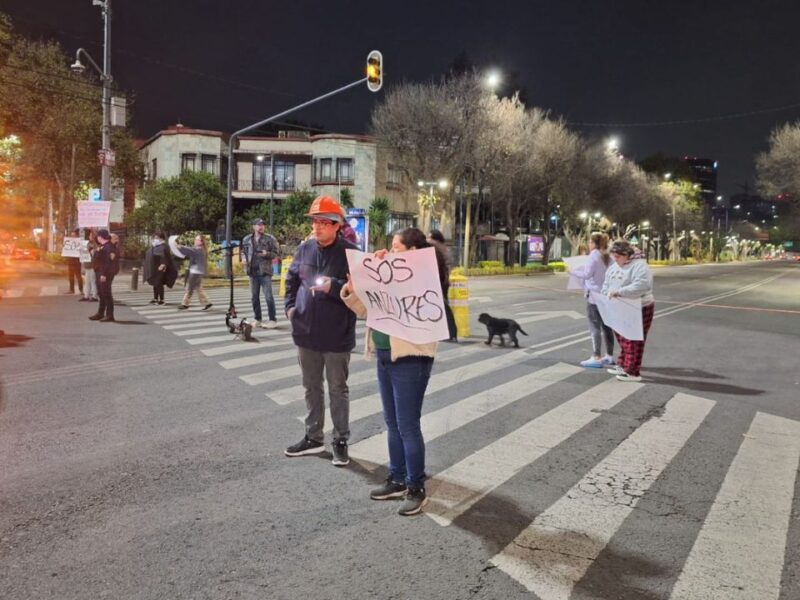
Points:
(231, 166)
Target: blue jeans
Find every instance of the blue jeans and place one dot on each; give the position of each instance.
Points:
(402, 384)
(258, 283)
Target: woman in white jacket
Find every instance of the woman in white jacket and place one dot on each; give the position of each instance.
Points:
(630, 277)
(593, 274)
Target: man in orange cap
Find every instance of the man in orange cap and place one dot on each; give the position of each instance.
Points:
(323, 328)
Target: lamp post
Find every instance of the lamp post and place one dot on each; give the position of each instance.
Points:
(105, 77)
(442, 184)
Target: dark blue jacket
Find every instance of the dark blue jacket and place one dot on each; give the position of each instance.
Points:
(321, 322)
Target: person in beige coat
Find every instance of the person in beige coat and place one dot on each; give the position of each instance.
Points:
(404, 369)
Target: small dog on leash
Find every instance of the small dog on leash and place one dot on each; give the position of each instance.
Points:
(500, 327)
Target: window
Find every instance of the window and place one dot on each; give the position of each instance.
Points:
(154, 169)
(284, 176)
(187, 162)
(394, 175)
(260, 176)
(344, 167)
(208, 163)
(323, 169)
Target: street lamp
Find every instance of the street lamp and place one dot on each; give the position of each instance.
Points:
(105, 77)
(493, 79)
(442, 184)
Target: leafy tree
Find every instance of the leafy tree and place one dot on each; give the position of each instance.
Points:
(779, 178)
(378, 214)
(290, 224)
(192, 201)
(346, 198)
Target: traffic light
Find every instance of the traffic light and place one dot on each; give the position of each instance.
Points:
(374, 71)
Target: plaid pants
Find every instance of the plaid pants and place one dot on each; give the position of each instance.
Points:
(632, 351)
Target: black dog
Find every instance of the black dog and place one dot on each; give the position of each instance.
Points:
(499, 327)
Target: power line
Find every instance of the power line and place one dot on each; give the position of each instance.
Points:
(51, 90)
(54, 74)
(727, 117)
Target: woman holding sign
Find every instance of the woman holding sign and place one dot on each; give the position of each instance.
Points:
(404, 369)
(630, 277)
(593, 275)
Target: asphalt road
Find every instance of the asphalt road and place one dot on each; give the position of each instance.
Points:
(144, 459)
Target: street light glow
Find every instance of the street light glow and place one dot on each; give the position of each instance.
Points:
(613, 143)
(645, 223)
(443, 184)
(420, 183)
(667, 176)
(583, 215)
(493, 79)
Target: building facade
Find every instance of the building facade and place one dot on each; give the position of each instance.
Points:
(177, 148)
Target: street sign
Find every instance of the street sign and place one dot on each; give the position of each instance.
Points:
(106, 158)
(95, 195)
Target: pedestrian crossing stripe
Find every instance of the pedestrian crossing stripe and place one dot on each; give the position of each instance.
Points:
(372, 450)
(460, 486)
(554, 552)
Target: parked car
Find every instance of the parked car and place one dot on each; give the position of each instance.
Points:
(25, 250)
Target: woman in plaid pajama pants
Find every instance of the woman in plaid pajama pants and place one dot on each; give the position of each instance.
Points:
(630, 277)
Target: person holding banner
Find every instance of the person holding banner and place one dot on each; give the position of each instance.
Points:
(630, 277)
(593, 274)
(90, 277)
(74, 269)
(404, 369)
(198, 265)
(159, 270)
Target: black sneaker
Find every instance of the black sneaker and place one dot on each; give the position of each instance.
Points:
(160, 302)
(207, 306)
(183, 307)
(390, 489)
(304, 447)
(153, 301)
(340, 455)
(412, 505)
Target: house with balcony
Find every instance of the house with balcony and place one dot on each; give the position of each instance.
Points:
(271, 168)
(178, 148)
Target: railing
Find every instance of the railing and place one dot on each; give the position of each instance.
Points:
(259, 185)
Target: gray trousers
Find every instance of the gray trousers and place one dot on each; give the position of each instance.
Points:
(599, 330)
(336, 367)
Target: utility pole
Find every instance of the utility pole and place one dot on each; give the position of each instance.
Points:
(105, 178)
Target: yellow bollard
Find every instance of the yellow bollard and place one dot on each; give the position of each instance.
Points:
(459, 303)
(285, 264)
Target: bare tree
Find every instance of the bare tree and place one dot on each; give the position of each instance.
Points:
(779, 167)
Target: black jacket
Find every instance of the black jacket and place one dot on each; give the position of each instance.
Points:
(321, 322)
(258, 264)
(106, 260)
(154, 258)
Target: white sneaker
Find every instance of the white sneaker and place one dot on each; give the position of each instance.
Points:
(255, 323)
(608, 360)
(626, 377)
(616, 370)
(270, 325)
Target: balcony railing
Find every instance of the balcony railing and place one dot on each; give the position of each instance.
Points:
(259, 185)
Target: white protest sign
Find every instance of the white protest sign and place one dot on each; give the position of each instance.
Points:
(575, 262)
(86, 256)
(623, 315)
(71, 247)
(93, 214)
(402, 294)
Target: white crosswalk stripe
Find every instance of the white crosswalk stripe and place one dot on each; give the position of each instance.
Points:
(551, 555)
(740, 545)
(457, 488)
(455, 415)
(739, 552)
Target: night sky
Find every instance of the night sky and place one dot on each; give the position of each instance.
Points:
(223, 64)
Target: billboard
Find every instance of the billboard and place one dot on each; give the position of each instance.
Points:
(535, 248)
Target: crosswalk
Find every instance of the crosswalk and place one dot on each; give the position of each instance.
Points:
(738, 547)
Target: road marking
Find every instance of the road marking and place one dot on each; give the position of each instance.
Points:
(457, 488)
(192, 323)
(553, 553)
(456, 415)
(215, 329)
(239, 346)
(369, 405)
(373, 405)
(259, 359)
(544, 315)
(739, 551)
(49, 290)
(211, 339)
(207, 318)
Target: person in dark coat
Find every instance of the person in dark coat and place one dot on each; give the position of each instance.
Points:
(106, 265)
(436, 238)
(74, 269)
(159, 270)
(323, 329)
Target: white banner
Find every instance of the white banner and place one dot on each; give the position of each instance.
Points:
(402, 293)
(93, 214)
(623, 315)
(71, 247)
(575, 262)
